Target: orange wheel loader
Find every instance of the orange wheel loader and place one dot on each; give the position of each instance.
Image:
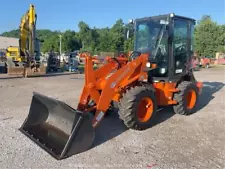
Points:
(158, 73)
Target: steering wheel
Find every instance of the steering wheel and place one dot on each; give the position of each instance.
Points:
(179, 49)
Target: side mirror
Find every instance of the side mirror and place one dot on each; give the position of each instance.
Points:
(128, 34)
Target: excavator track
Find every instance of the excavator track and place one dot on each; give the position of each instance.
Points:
(20, 70)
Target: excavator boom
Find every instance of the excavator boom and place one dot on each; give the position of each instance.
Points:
(27, 60)
(27, 32)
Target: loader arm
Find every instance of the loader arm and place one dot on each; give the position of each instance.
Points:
(107, 83)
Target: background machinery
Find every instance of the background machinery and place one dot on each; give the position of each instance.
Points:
(53, 62)
(158, 74)
(10, 59)
(25, 59)
(13, 53)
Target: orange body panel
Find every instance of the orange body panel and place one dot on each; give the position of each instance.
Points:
(164, 93)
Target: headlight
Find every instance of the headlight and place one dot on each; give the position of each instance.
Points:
(148, 64)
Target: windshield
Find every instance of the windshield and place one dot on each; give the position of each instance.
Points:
(151, 36)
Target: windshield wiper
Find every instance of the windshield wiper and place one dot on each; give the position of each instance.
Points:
(159, 38)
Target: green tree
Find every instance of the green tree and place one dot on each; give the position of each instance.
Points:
(117, 35)
(207, 37)
(70, 42)
(13, 33)
(51, 43)
(221, 39)
(104, 40)
(85, 35)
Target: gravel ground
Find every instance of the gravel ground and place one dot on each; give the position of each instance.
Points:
(184, 142)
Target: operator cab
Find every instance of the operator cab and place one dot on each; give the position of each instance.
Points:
(168, 39)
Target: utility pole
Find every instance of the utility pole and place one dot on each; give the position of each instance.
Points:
(60, 44)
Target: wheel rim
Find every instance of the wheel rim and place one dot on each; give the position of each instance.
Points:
(191, 99)
(145, 109)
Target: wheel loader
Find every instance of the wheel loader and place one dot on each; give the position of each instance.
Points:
(158, 73)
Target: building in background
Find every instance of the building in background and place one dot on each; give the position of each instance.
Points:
(5, 42)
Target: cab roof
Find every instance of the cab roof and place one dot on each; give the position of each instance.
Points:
(166, 15)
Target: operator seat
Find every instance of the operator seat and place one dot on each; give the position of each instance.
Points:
(180, 57)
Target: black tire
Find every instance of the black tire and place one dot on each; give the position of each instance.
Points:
(182, 106)
(128, 106)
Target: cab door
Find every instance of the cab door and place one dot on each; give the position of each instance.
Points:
(180, 45)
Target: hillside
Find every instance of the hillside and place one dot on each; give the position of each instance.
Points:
(209, 38)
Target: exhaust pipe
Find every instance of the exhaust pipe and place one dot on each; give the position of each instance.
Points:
(58, 128)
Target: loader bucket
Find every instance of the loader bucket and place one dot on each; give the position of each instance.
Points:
(57, 128)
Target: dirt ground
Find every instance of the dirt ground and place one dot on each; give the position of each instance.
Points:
(175, 141)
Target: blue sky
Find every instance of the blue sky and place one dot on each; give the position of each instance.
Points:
(66, 14)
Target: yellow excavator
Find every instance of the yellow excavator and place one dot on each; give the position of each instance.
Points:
(25, 59)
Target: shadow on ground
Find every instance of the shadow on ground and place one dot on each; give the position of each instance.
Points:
(209, 88)
(112, 126)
